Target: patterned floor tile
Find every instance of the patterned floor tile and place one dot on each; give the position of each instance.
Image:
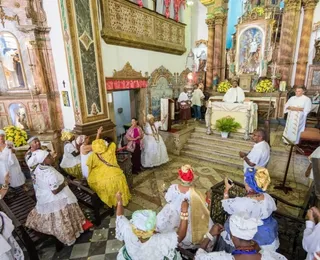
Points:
(97, 248)
(100, 235)
(80, 250)
(113, 246)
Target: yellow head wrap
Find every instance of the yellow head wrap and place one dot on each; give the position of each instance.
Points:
(99, 146)
(149, 117)
(262, 178)
(66, 135)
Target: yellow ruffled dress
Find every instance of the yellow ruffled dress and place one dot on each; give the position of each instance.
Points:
(105, 176)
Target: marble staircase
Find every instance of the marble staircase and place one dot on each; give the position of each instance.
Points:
(213, 148)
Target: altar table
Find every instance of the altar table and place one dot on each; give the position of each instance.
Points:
(246, 114)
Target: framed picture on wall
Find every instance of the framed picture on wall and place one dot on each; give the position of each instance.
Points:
(65, 98)
(314, 78)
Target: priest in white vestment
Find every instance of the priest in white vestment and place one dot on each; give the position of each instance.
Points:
(234, 94)
(297, 107)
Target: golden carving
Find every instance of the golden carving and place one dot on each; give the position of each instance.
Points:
(207, 2)
(124, 23)
(86, 40)
(128, 73)
(159, 73)
(35, 11)
(210, 22)
(309, 4)
(4, 16)
(205, 42)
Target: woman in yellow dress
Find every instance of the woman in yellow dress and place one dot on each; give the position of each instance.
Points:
(105, 176)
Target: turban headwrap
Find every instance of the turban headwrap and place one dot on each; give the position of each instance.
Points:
(244, 227)
(257, 179)
(2, 132)
(143, 223)
(31, 139)
(66, 135)
(99, 146)
(149, 117)
(80, 139)
(37, 157)
(186, 174)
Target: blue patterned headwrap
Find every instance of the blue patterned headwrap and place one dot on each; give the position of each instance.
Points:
(250, 180)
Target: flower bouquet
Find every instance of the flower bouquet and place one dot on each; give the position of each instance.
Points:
(224, 86)
(264, 86)
(16, 135)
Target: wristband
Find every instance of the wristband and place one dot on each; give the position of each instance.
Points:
(209, 236)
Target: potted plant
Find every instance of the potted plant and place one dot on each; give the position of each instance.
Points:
(227, 125)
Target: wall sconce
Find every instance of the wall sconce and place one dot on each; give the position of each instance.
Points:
(109, 97)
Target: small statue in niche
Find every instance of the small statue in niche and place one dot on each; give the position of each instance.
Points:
(215, 80)
(94, 109)
(21, 120)
(230, 61)
(202, 60)
(18, 68)
(190, 63)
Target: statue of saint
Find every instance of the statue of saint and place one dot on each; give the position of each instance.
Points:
(202, 60)
(190, 63)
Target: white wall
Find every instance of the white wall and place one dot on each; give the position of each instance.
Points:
(57, 42)
(115, 57)
(199, 26)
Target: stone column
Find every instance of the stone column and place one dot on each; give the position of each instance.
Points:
(219, 47)
(288, 38)
(308, 6)
(209, 74)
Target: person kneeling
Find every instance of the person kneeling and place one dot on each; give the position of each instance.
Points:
(57, 212)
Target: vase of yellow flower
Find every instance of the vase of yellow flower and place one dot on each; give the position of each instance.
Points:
(264, 86)
(224, 86)
(16, 135)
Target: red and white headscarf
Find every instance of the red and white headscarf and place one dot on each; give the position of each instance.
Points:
(186, 174)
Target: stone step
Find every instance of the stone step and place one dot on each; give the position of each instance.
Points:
(215, 158)
(214, 149)
(215, 132)
(222, 141)
(220, 145)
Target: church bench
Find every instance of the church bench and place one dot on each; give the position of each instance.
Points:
(17, 205)
(290, 227)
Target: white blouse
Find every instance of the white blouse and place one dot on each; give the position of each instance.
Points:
(265, 255)
(157, 247)
(68, 160)
(46, 180)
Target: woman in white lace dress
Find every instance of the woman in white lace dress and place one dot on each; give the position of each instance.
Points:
(9, 163)
(57, 212)
(243, 229)
(168, 218)
(258, 204)
(9, 248)
(155, 150)
(141, 242)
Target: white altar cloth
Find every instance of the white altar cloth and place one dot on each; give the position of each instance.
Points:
(241, 113)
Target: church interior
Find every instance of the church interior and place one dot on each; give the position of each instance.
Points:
(166, 83)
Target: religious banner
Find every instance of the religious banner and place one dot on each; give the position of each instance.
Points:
(125, 84)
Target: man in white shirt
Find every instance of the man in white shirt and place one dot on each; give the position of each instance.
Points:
(185, 106)
(234, 94)
(311, 235)
(297, 107)
(259, 154)
(196, 100)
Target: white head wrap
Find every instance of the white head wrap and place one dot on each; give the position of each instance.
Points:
(144, 220)
(244, 227)
(31, 139)
(2, 132)
(80, 139)
(37, 157)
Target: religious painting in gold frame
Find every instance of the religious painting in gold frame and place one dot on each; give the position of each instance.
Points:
(313, 83)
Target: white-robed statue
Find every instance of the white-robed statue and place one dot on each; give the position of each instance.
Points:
(234, 94)
(297, 107)
(155, 150)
